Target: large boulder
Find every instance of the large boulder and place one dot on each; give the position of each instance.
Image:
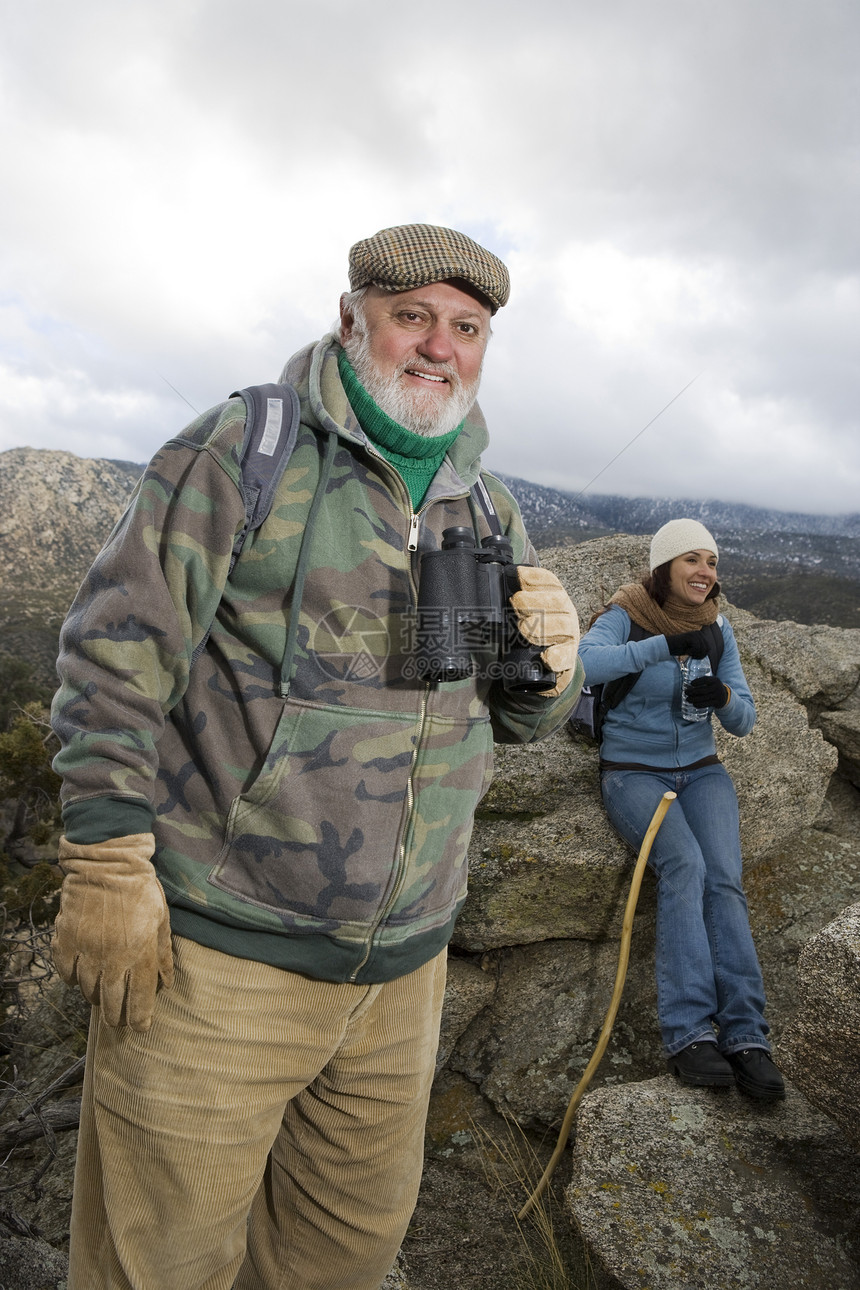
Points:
(467, 991)
(28, 1264)
(544, 862)
(528, 1047)
(821, 1046)
(781, 770)
(549, 877)
(842, 729)
(819, 665)
(686, 1189)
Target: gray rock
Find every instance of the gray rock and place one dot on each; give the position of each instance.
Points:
(821, 1045)
(544, 862)
(842, 728)
(529, 1047)
(781, 770)
(683, 1189)
(792, 895)
(820, 666)
(467, 991)
(397, 1278)
(31, 1265)
(593, 571)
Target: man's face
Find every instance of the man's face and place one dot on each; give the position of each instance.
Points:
(419, 353)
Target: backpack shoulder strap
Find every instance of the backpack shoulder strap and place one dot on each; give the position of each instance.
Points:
(638, 633)
(613, 692)
(272, 414)
(481, 495)
(271, 429)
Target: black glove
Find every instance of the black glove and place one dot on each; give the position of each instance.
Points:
(692, 643)
(707, 692)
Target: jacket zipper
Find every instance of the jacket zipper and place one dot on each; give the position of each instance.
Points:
(414, 516)
(401, 850)
(412, 546)
(682, 669)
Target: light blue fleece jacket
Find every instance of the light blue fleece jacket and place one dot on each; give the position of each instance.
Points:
(647, 726)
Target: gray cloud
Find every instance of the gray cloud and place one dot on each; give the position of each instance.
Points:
(673, 184)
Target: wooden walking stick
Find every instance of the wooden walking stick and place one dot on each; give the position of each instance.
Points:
(623, 958)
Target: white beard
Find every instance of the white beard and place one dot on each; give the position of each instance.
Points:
(435, 411)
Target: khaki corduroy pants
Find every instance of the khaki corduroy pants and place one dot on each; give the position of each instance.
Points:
(262, 1108)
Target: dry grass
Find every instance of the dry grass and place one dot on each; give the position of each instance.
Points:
(512, 1169)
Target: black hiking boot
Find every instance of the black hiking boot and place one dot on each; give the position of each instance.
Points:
(756, 1075)
(701, 1065)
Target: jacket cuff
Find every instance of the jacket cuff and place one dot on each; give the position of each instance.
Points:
(99, 819)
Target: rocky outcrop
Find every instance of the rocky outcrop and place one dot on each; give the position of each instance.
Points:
(468, 991)
(534, 958)
(33, 1265)
(687, 1189)
(821, 1047)
(672, 1185)
(55, 512)
(549, 877)
(58, 509)
(820, 666)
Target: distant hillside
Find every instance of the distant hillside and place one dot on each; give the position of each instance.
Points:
(777, 564)
(56, 511)
(548, 509)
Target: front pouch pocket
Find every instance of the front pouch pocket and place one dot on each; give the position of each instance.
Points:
(314, 840)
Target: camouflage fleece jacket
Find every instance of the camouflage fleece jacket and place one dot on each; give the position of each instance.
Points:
(311, 800)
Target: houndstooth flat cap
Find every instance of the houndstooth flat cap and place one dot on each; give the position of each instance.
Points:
(413, 255)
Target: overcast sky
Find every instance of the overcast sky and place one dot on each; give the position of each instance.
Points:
(672, 183)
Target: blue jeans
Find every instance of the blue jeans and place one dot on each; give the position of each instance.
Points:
(708, 975)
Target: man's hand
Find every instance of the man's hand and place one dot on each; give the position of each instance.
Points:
(112, 934)
(546, 617)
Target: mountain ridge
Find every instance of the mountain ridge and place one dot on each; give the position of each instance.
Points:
(57, 509)
(543, 505)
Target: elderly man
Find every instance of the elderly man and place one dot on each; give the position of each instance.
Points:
(267, 806)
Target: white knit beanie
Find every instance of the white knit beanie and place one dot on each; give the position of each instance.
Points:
(676, 538)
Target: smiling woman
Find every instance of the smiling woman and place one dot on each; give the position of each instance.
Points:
(658, 738)
(692, 576)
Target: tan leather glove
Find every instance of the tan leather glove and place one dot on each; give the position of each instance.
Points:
(546, 616)
(112, 934)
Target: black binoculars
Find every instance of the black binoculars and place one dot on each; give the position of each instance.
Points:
(463, 610)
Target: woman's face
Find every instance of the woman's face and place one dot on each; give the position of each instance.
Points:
(692, 575)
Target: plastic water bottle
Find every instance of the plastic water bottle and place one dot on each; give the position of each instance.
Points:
(693, 668)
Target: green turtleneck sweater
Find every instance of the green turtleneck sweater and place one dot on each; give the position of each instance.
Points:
(415, 457)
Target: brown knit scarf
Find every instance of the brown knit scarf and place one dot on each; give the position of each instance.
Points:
(675, 616)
